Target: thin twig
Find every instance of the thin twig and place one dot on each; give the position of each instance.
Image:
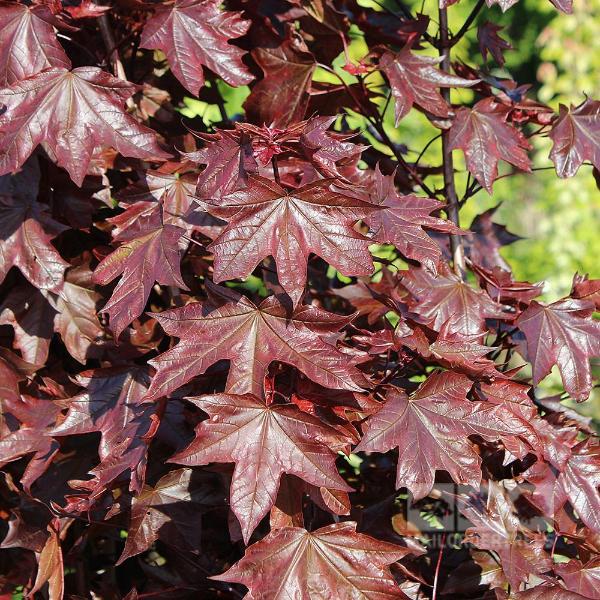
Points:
(111, 46)
(220, 100)
(466, 25)
(437, 137)
(456, 245)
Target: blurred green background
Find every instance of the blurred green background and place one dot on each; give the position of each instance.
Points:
(560, 56)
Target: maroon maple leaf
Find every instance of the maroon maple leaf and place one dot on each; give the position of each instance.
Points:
(581, 578)
(431, 429)
(27, 428)
(490, 41)
(86, 9)
(72, 112)
(483, 246)
(112, 404)
(171, 511)
(32, 317)
(585, 288)
(501, 287)
(565, 334)
(265, 219)
(497, 527)
(264, 441)
(50, 566)
(333, 560)
(517, 410)
(463, 353)
(448, 299)
(328, 151)
(196, 33)
(25, 233)
(281, 96)
(150, 252)
(484, 136)
(28, 42)
(403, 220)
(580, 482)
(414, 79)
(76, 317)
(229, 159)
(576, 137)
(230, 327)
(369, 298)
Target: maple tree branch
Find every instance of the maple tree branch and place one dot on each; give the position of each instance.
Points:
(220, 101)
(456, 245)
(466, 25)
(111, 46)
(376, 121)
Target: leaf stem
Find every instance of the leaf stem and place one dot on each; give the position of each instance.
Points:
(456, 246)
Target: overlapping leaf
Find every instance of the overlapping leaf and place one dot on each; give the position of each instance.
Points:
(414, 79)
(565, 334)
(281, 96)
(196, 33)
(112, 404)
(265, 219)
(28, 42)
(334, 561)
(25, 233)
(264, 441)
(403, 221)
(431, 429)
(576, 137)
(231, 327)
(72, 112)
(498, 528)
(171, 510)
(149, 252)
(484, 136)
(445, 298)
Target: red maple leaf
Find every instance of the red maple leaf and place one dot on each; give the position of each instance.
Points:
(565, 334)
(490, 41)
(72, 112)
(497, 527)
(265, 219)
(292, 562)
(414, 79)
(196, 33)
(264, 441)
(576, 137)
(403, 221)
(150, 252)
(431, 429)
(445, 298)
(112, 404)
(171, 511)
(28, 42)
(230, 327)
(484, 136)
(281, 96)
(25, 233)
